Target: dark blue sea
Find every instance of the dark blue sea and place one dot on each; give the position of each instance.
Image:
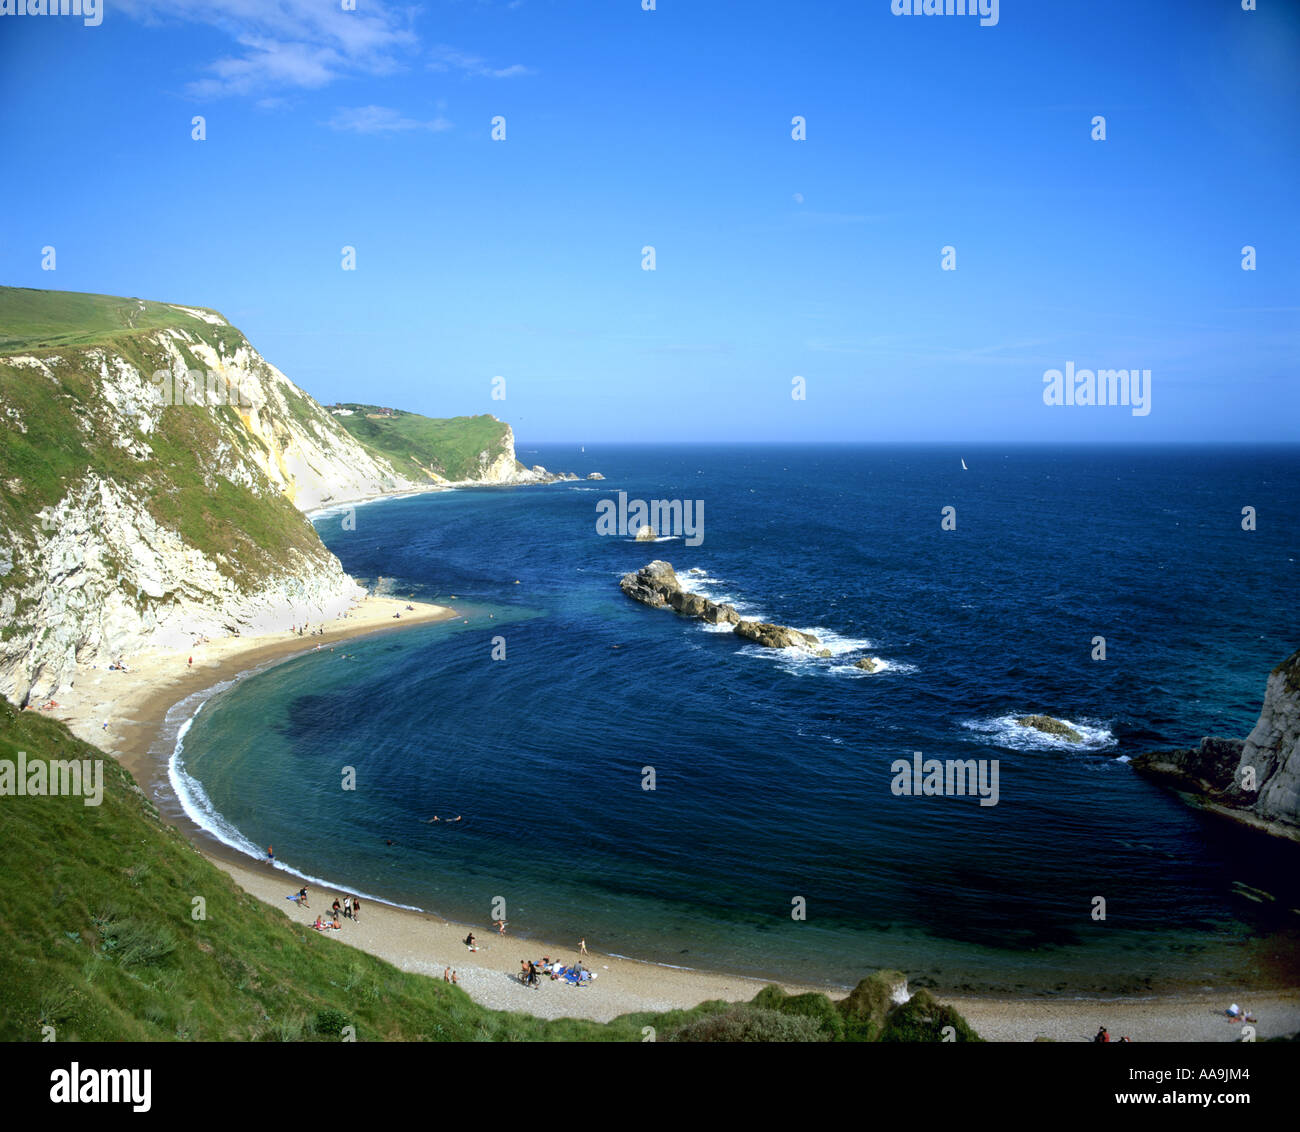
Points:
(773, 771)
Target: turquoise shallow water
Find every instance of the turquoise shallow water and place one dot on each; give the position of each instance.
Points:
(773, 772)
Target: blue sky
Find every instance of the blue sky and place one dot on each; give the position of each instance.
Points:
(672, 128)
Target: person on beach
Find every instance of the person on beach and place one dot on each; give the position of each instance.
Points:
(446, 974)
(347, 907)
(270, 854)
(191, 663)
(533, 980)
(455, 980)
(469, 942)
(501, 927)
(302, 896)
(1102, 1035)
(337, 908)
(582, 946)
(356, 910)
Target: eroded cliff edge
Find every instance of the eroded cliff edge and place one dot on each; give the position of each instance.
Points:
(1256, 780)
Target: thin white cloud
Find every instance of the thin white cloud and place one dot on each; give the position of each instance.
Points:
(450, 60)
(289, 44)
(382, 120)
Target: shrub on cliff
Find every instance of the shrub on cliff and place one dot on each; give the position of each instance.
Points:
(867, 1005)
(922, 1018)
(752, 1024)
(812, 1005)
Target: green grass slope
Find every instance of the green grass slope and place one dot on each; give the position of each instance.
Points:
(99, 940)
(35, 320)
(417, 445)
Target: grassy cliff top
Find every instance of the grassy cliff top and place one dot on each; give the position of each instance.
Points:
(38, 320)
(417, 446)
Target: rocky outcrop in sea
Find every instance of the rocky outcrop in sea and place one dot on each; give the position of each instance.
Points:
(657, 586)
(1256, 780)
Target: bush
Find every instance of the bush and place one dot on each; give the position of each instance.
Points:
(752, 1024)
(330, 1022)
(769, 998)
(867, 1005)
(923, 1019)
(820, 1009)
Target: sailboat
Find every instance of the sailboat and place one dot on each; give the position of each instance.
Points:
(963, 466)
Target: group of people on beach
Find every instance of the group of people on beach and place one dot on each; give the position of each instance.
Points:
(350, 909)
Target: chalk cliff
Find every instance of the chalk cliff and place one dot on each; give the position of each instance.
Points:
(1255, 781)
(154, 472)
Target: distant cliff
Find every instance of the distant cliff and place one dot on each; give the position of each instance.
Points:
(1255, 781)
(451, 450)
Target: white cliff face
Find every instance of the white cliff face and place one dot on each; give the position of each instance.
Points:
(1273, 748)
(301, 449)
(109, 580)
(1255, 781)
(98, 574)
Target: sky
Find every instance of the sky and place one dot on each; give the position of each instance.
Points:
(774, 258)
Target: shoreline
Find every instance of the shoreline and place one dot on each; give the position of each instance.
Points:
(135, 706)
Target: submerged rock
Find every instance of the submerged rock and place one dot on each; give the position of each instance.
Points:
(869, 663)
(646, 534)
(1050, 726)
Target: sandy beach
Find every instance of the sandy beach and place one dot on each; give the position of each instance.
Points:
(123, 713)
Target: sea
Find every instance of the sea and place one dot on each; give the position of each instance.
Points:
(673, 794)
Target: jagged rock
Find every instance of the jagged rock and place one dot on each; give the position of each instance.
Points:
(721, 614)
(824, 653)
(775, 636)
(868, 663)
(689, 604)
(594, 476)
(1050, 726)
(657, 586)
(646, 534)
(653, 584)
(1217, 774)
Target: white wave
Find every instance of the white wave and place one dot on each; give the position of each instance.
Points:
(1006, 732)
(837, 644)
(707, 586)
(883, 666)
